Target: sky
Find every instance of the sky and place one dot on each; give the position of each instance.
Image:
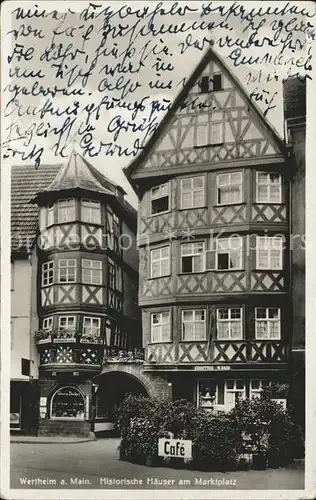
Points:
(183, 65)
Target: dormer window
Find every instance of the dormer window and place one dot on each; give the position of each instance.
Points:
(210, 83)
(66, 210)
(160, 199)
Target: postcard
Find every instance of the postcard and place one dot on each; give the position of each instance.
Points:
(157, 250)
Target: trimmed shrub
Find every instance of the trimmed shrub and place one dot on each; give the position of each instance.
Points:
(269, 428)
(216, 443)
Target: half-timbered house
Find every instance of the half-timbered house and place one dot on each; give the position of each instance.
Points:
(74, 301)
(214, 217)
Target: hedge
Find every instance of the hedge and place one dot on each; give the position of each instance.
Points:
(218, 440)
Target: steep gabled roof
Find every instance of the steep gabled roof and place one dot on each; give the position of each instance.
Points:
(210, 55)
(26, 182)
(79, 174)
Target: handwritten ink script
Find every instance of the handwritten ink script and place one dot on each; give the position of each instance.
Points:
(106, 75)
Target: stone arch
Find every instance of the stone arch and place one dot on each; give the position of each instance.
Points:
(155, 385)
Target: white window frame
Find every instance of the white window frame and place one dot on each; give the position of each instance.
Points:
(67, 267)
(192, 190)
(70, 210)
(269, 322)
(160, 324)
(219, 241)
(89, 266)
(193, 255)
(209, 134)
(89, 209)
(111, 274)
(50, 215)
(270, 243)
(47, 324)
(67, 327)
(47, 268)
(269, 185)
(234, 390)
(160, 194)
(159, 260)
(92, 331)
(229, 322)
(194, 322)
(228, 184)
(257, 392)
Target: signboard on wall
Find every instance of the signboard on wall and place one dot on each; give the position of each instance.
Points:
(68, 402)
(15, 420)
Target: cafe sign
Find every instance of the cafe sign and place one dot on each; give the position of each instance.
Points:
(179, 448)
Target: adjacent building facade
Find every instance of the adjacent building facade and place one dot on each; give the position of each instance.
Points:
(74, 294)
(216, 187)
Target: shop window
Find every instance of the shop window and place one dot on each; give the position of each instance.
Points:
(68, 402)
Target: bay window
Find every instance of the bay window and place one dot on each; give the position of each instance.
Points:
(229, 188)
(193, 324)
(229, 323)
(268, 323)
(161, 327)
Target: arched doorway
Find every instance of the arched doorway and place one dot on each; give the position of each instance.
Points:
(111, 389)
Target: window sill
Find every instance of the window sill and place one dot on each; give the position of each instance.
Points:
(160, 213)
(209, 145)
(161, 342)
(219, 205)
(195, 341)
(267, 269)
(192, 208)
(158, 277)
(268, 340)
(256, 202)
